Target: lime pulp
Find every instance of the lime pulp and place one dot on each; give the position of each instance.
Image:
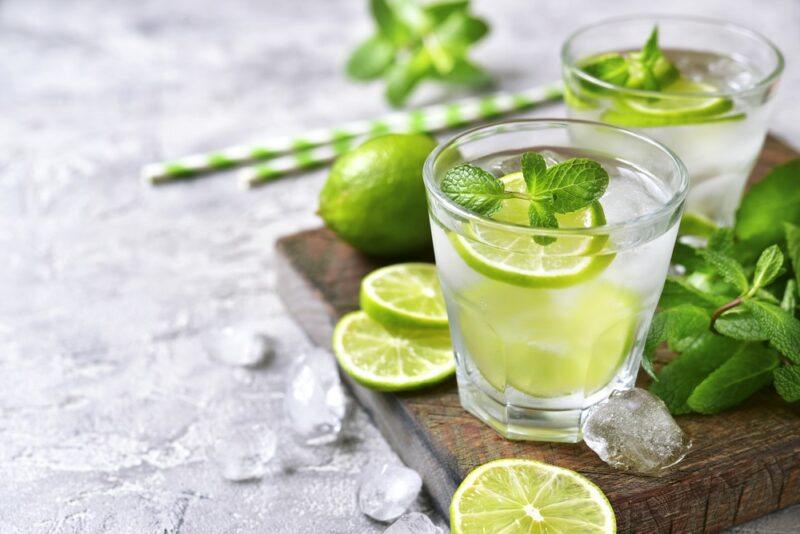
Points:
(405, 294)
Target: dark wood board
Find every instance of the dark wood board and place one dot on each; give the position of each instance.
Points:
(744, 464)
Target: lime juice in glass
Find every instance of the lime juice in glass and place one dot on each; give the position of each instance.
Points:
(703, 88)
(547, 320)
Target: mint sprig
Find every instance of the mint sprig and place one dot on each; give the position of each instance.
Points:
(565, 187)
(646, 69)
(748, 290)
(416, 41)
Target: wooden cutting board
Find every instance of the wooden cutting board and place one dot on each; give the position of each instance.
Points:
(745, 463)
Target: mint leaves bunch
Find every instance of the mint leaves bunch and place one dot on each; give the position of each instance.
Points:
(732, 317)
(561, 188)
(414, 42)
(647, 69)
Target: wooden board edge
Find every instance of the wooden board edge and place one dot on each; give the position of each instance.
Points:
(304, 305)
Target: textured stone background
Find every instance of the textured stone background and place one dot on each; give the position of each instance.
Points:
(108, 287)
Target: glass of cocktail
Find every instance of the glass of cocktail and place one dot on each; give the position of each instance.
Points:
(702, 87)
(547, 322)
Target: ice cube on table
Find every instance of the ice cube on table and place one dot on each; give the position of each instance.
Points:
(413, 523)
(386, 491)
(314, 403)
(241, 450)
(633, 430)
(241, 346)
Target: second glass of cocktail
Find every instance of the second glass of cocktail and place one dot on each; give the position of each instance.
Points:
(702, 87)
(546, 322)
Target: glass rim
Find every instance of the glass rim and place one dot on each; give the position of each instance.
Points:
(669, 207)
(759, 85)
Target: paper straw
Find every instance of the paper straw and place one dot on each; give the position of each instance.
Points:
(306, 149)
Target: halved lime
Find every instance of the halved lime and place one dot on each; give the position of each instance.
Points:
(513, 257)
(406, 294)
(392, 359)
(673, 109)
(517, 496)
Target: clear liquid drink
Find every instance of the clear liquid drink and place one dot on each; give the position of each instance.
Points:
(542, 333)
(714, 118)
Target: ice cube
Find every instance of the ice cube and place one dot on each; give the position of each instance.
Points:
(386, 491)
(241, 450)
(314, 403)
(413, 523)
(633, 430)
(241, 346)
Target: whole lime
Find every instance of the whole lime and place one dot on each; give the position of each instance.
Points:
(375, 198)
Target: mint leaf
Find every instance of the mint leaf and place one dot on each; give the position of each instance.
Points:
(721, 241)
(465, 72)
(789, 301)
(371, 58)
(611, 68)
(404, 76)
(388, 24)
(735, 380)
(677, 291)
(787, 382)
(655, 336)
(533, 169)
(793, 248)
(685, 325)
(460, 30)
(541, 215)
(474, 188)
(650, 49)
(692, 224)
(677, 379)
(441, 10)
(767, 205)
(768, 267)
(571, 185)
(782, 328)
(728, 268)
(739, 323)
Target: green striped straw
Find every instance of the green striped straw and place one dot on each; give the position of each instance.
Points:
(320, 146)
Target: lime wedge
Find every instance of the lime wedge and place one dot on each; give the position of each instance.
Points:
(513, 257)
(521, 496)
(392, 359)
(672, 109)
(406, 294)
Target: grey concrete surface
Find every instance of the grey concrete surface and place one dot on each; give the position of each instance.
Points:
(108, 288)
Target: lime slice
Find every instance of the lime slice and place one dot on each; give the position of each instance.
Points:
(392, 359)
(522, 496)
(406, 294)
(668, 111)
(513, 257)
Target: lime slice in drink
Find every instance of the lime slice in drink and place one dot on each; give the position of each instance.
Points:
(406, 294)
(511, 256)
(517, 496)
(672, 109)
(392, 359)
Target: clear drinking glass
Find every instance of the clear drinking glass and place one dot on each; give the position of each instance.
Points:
(542, 333)
(716, 123)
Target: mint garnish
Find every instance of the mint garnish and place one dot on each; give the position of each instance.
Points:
(562, 188)
(747, 292)
(475, 189)
(647, 69)
(415, 41)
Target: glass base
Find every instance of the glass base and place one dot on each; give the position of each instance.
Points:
(518, 417)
